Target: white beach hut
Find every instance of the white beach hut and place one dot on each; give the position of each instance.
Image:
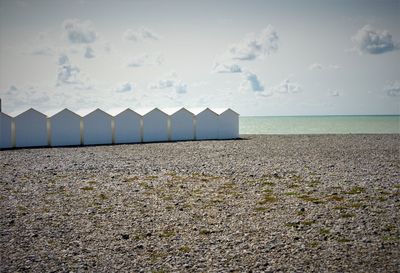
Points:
(127, 127)
(206, 123)
(181, 124)
(31, 129)
(228, 123)
(97, 128)
(65, 128)
(155, 125)
(6, 132)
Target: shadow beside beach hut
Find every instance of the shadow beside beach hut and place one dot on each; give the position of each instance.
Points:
(228, 123)
(97, 128)
(31, 129)
(155, 126)
(206, 124)
(65, 128)
(127, 127)
(6, 132)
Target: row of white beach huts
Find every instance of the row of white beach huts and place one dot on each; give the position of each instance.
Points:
(67, 128)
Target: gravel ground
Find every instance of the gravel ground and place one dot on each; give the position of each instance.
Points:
(310, 203)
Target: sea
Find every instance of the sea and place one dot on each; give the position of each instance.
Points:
(320, 125)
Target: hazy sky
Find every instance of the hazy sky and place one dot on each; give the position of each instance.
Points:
(257, 57)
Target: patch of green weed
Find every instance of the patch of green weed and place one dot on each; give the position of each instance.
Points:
(267, 183)
(102, 196)
(342, 240)
(260, 209)
(293, 185)
(335, 198)
(291, 193)
(293, 224)
(347, 215)
(313, 244)
(151, 177)
(357, 205)
(167, 233)
(267, 198)
(130, 179)
(308, 222)
(312, 199)
(297, 178)
(324, 231)
(355, 190)
(314, 183)
(185, 249)
(391, 238)
(205, 232)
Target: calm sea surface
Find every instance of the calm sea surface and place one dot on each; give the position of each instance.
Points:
(320, 125)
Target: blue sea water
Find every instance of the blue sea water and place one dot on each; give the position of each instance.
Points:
(320, 125)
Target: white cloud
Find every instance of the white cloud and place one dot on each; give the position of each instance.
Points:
(145, 59)
(180, 87)
(125, 87)
(67, 74)
(89, 53)
(264, 94)
(72, 50)
(162, 84)
(334, 66)
(392, 89)
(255, 45)
(373, 41)
(318, 66)
(251, 83)
(42, 36)
(12, 88)
(171, 81)
(334, 93)
(140, 34)
(23, 98)
(43, 51)
(63, 59)
(315, 66)
(199, 84)
(287, 86)
(148, 34)
(107, 47)
(131, 35)
(79, 32)
(226, 68)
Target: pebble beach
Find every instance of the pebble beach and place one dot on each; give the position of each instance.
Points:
(263, 203)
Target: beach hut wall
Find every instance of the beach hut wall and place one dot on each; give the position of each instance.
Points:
(228, 124)
(182, 125)
(97, 128)
(65, 129)
(91, 127)
(206, 125)
(31, 129)
(155, 126)
(127, 128)
(6, 132)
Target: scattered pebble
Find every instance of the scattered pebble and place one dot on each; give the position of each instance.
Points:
(305, 203)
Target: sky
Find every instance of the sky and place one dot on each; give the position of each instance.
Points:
(260, 58)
